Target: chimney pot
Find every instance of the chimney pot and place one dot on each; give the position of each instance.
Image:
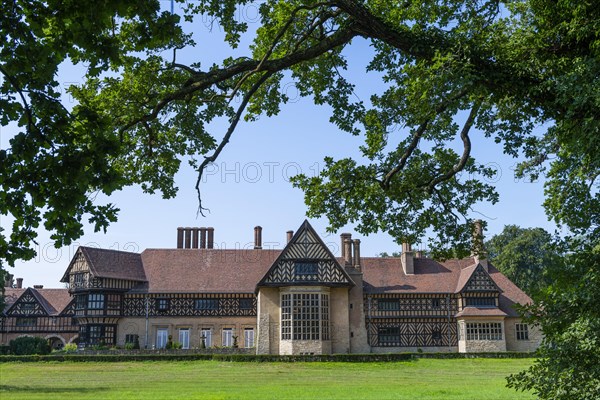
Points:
(38, 286)
(211, 237)
(357, 254)
(258, 237)
(348, 252)
(188, 237)
(203, 238)
(19, 283)
(290, 234)
(180, 238)
(9, 282)
(195, 238)
(343, 238)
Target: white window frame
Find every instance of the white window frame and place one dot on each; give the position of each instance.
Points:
(227, 337)
(207, 333)
(184, 338)
(248, 337)
(162, 336)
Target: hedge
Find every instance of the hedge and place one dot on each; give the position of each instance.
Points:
(258, 358)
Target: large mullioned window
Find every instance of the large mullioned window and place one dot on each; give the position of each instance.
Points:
(484, 331)
(305, 316)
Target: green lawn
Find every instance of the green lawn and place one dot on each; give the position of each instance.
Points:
(419, 379)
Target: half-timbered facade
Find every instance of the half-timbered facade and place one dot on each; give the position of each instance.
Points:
(298, 300)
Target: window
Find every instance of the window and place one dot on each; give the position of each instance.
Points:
(207, 304)
(227, 339)
(162, 335)
(248, 337)
(80, 300)
(95, 301)
(436, 335)
(306, 268)
(484, 331)
(22, 322)
(522, 331)
(162, 304)
(78, 280)
(389, 336)
(388, 305)
(305, 316)
(246, 304)
(27, 308)
(184, 338)
(435, 303)
(480, 302)
(206, 334)
(130, 338)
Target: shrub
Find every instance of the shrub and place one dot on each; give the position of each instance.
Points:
(70, 348)
(129, 346)
(29, 345)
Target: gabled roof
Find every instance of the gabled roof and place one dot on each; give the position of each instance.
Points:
(204, 270)
(385, 275)
(481, 312)
(52, 301)
(469, 277)
(106, 263)
(306, 245)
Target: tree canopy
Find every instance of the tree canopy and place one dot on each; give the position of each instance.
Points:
(525, 255)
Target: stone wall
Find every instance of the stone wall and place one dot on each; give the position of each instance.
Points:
(512, 344)
(268, 321)
(358, 330)
(383, 350)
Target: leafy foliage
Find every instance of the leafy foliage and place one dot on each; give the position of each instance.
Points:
(29, 345)
(525, 256)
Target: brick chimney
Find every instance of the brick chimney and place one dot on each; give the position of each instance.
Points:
(19, 283)
(188, 237)
(348, 252)
(195, 233)
(180, 238)
(203, 238)
(478, 249)
(210, 237)
(290, 235)
(258, 237)
(407, 259)
(343, 238)
(8, 281)
(356, 254)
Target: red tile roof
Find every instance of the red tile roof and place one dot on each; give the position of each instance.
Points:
(205, 270)
(54, 301)
(106, 263)
(385, 275)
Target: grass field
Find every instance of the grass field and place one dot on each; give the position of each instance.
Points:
(419, 379)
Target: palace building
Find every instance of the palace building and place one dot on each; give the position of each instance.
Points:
(298, 300)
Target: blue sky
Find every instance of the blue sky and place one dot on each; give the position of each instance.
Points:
(249, 184)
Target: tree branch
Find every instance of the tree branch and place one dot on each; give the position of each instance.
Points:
(225, 140)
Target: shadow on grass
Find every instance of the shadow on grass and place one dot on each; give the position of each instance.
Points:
(47, 389)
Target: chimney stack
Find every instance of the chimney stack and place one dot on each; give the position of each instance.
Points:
(478, 248)
(407, 259)
(290, 234)
(419, 254)
(180, 238)
(203, 238)
(258, 237)
(8, 281)
(19, 283)
(348, 252)
(188, 238)
(357, 254)
(38, 286)
(195, 232)
(343, 238)
(211, 237)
